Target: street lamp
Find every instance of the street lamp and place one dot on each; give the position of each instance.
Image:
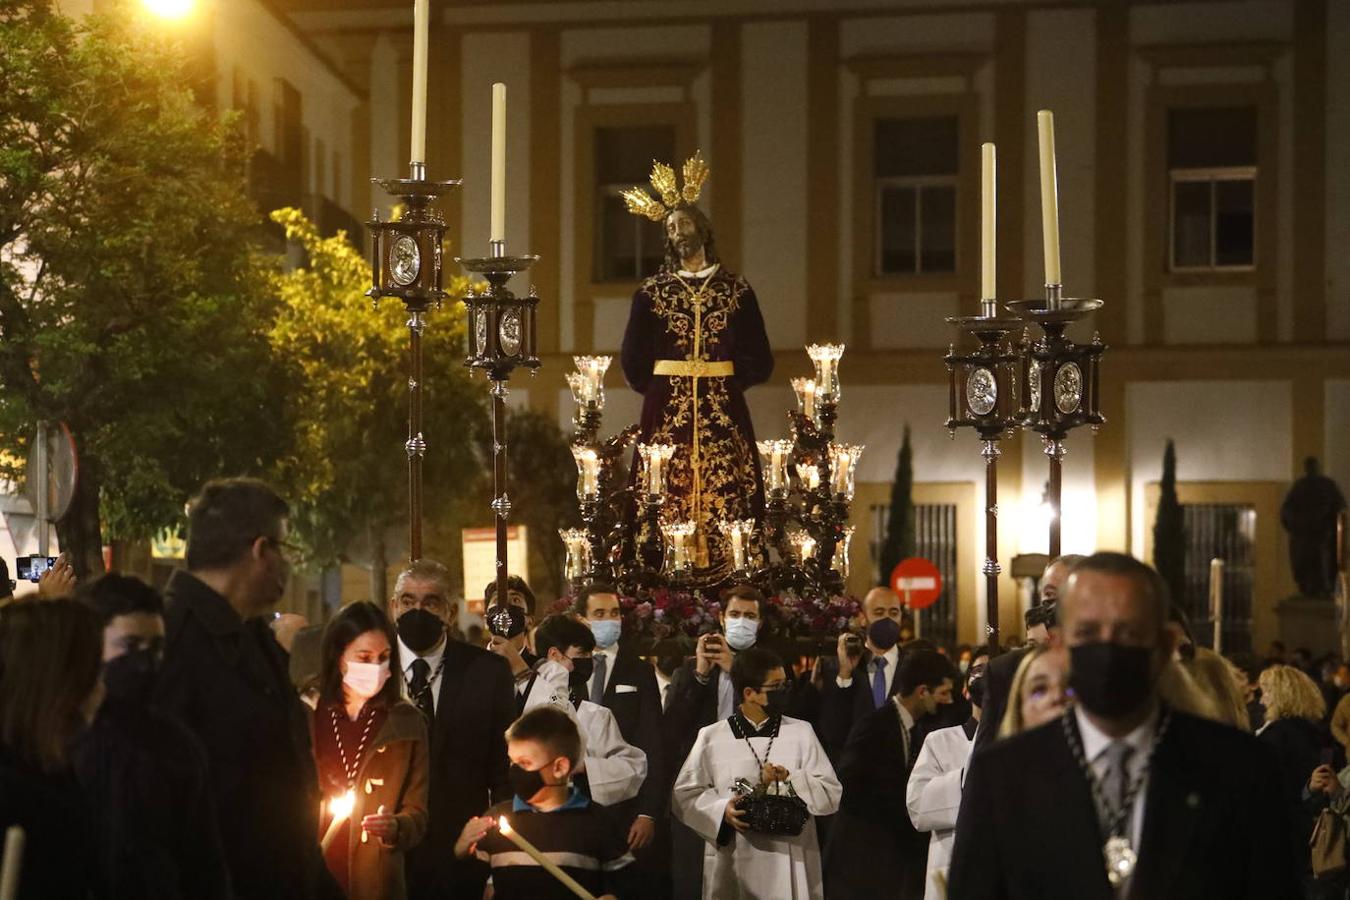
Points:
(170, 9)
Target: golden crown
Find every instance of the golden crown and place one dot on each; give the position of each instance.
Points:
(641, 203)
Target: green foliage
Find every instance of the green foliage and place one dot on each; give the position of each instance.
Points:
(1169, 530)
(133, 303)
(900, 537)
(347, 476)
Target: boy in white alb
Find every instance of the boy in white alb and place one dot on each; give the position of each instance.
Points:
(761, 745)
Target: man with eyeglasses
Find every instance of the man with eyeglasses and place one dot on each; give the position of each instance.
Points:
(466, 695)
(225, 676)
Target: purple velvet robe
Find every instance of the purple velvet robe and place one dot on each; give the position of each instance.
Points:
(718, 318)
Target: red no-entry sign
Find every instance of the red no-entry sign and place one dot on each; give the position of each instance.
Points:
(918, 582)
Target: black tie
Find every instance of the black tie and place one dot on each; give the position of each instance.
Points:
(420, 688)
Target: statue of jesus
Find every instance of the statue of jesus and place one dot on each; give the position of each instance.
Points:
(695, 341)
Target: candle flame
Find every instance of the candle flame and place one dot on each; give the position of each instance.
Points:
(341, 807)
(503, 826)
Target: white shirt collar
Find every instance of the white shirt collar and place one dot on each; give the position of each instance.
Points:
(612, 651)
(433, 659)
(905, 718)
(892, 657)
(701, 273)
(1095, 741)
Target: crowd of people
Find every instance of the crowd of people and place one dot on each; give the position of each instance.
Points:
(194, 745)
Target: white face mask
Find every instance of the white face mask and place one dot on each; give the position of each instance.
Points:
(366, 679)
(741, 632)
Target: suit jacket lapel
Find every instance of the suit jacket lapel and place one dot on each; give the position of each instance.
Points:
(1070, 800)
(1171, 811)
(454, 664)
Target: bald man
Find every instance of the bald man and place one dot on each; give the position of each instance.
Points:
(866, 677)
(1170, 805)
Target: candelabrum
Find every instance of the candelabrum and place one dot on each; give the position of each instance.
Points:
(501, 336)
(603, 493)
(406, 264)
(983, 395)
(800, 545)
(1061, 379)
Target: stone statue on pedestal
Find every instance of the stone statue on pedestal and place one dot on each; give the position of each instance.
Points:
(1309, 514)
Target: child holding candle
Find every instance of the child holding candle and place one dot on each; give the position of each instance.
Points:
(554, 818)
(370, 742)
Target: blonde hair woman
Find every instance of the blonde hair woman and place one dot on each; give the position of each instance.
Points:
(1039, 691)
(1294, 729)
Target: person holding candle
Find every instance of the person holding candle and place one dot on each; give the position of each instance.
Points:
(555, 818)
(695, 341)
(767, 748)
(367, 739)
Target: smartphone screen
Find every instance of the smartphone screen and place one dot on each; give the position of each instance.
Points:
(31, 568)
(1327, 756)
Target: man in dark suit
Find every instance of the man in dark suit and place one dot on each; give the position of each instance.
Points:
(626, 686)
(873, 845)
(225, 677)
(465, 693)
(1171, 805)
(866, 677)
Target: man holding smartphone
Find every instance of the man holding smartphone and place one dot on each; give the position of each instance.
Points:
(867, 668)
(509, 635)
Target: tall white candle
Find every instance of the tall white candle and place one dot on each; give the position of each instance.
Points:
(988, 195)
(498, 232)
(12, 864)
(1045, 126)
(421, 17)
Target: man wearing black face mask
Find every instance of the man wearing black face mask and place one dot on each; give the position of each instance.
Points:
(866, 677)
(1122, 796)
(465, 694)
(144, 771)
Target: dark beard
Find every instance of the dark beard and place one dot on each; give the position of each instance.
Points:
(688, 246)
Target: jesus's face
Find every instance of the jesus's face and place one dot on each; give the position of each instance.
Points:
(683, 232)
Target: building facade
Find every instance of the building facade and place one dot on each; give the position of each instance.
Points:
(1198, 192)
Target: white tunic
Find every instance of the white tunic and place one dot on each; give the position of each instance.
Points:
(753, 866)
(615, 769)
(933, 797)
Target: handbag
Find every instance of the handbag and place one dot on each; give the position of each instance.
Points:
(774, 813)
(1328, 842)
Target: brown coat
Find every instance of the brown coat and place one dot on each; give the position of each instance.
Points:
(393, 774)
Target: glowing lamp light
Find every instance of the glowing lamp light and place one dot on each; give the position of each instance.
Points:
(170, 9)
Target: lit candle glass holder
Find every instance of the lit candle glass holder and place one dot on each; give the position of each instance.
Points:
(803, 545)
(738, 532)
(806, 396)
(826, 359)
(775, 454)
(679, 547)
(588, 472)
(577, 382)
(654, 460)
(840, 562)
(808, 473)
(578, 546)
(843, 465)
(592, 369)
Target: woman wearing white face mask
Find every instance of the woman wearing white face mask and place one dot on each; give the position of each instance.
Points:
(369, 741)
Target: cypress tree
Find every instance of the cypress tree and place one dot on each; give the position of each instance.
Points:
(1169, 531)
(900, 540)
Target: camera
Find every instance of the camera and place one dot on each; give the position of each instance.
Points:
(31, 568)
(853, 645)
